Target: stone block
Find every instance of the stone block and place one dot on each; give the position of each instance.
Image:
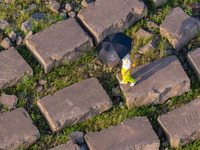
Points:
(179, 28)
(16, 129)
(193, 58)
(64, 41)
(74, 104)
(134, 133)
(13, 68)
(156, 82)
(6, 43)
(3, 24)
(142, 34)
(158, 3)
(148, 47)
(9, 101)
(70, 145)
(182, 125)
(100, 20)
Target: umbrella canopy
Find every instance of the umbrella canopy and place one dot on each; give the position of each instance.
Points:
(114, 47)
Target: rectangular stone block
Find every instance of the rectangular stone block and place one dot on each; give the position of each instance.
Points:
(182, 125)
(64, 41)
(131, 134)
(74, 104)
(70, 145)
(13, 68)
(179, 28)
(16, 129)
(193, 58)
(111, 16)
(156, 82)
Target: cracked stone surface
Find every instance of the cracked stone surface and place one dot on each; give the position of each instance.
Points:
(156, 82)
(13, 68)
(74, 104)
(64, 41)
(141, 33)
(70, 145)
(17, 128)
(193, 58)
(129, 134)
(182, 125)
(179, 28)
(100, 20)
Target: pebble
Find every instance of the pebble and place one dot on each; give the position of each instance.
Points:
(42, 81)
(19, 40)
(6, 43)
(12, 36)
(39, 89)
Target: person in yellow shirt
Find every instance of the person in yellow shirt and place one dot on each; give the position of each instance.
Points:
(126, 69)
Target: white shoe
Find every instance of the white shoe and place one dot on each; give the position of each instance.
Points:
(122, 82)
(132, 84)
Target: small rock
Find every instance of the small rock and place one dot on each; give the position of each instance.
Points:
(39, 89)
(19, 40)
(64, 10)
(169, 101)
(136, 56)
(54, 6)
(12, 36)
(42, 81)
(72, 14)
(148, 47)
(3, 24)
(26, 26)
(152, 26)
(116, 91)
(6, 43)
(77, 136)
(31, 8)
(112, 65)
(8, 100)
(69, 7)
(120, 103)
(165, 144)
(39, 16)
(30, 33)
(143, 34)
(85, 3)
(64, 14)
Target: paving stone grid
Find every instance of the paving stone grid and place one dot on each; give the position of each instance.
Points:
(185, 29)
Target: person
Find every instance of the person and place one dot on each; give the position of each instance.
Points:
(126, 69)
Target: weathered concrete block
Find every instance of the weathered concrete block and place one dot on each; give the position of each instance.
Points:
(74, 104)
(17, 128)
(64, 41)
(179, 28)
(158, 3)
(13, 68)
(100, 20)
(182, 125)
(193, 58)
(134, 133)
(70, 145)
(157, 81)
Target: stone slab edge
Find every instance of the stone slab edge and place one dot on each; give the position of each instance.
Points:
(17, 79)
(174, 142)
(192, 64)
